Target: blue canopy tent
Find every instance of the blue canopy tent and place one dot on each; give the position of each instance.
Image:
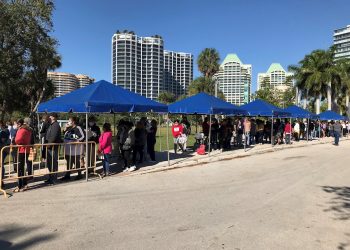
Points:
(101, 97)
(204, 104)
(331, 115)
(262, 108)
(298, 112)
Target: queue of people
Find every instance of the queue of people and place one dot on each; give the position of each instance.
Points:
(135, 142)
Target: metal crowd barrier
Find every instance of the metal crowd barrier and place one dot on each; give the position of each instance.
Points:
(40, 161)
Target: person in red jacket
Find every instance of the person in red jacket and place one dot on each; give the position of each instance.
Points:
(288, 132)
(23, 138)
(177, 130)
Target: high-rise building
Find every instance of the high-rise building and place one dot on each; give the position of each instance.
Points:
(234, 80)
(178, 72)
(275, 77)
(341, 39)
(63, 82)
(84, 80)
(66, 82)
(138, 63)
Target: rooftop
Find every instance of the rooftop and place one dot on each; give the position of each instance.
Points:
(231, 58)
(275, 67)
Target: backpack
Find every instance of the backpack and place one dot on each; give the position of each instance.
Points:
(201, 150)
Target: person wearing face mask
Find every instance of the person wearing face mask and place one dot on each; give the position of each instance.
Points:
(53, 135)
(23, 138)
(73, 152)
(94, 134)
(45, 123)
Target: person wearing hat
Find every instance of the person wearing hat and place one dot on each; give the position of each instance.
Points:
(53, 135)
(28, 123)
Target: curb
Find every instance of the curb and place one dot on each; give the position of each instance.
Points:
(217, 158)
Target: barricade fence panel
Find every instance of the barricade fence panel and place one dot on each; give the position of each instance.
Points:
(29, 161)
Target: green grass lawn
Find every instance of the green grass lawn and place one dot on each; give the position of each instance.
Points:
(161, 139)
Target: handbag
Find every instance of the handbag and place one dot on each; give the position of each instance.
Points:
(32, 154)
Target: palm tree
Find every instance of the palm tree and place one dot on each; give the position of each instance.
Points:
(342, 78)
(314, 75)
(208, 62)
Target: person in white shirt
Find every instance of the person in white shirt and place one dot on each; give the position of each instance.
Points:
(296, 129)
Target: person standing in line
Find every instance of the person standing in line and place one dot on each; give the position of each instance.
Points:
(260, 134)
(72, 152)
(336, 132)
(28, 123)
(186, 130)
(288, 133)
(296, 131)
(23, 138)
(94, 134)
(53, 135)
(151, 140)
(139, 146)
(105, 147)
(247, 127)
(177, 130)
(127, 143)
(4, 141)
(45, 124)
(253, 137)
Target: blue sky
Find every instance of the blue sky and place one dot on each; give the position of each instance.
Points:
(259, 31)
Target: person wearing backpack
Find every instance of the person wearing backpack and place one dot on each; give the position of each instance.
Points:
(177, 130)
(127, 141)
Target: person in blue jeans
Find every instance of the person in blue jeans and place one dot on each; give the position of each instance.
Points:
(105, 147)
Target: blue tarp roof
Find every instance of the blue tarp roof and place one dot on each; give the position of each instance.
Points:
(298, 112)
(205, 104)
(331, 115)
(101, 97)
(262, 108)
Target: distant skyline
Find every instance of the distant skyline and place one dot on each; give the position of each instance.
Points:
(259, 32)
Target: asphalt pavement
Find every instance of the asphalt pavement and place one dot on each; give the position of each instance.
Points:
(290, 199)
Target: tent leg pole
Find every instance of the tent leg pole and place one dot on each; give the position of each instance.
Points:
(159, 135)
(272, 139)
(38, 120)
(86, 147)
(307, 130)
(209, 142)
(167, 138)
(244, 135)
(291, 132)
(114, 124)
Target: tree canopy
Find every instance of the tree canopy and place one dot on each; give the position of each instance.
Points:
(27, 52)
(208, 62)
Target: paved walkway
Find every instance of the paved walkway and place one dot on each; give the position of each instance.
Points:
(287, 199)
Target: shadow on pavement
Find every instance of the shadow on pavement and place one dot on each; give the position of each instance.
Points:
(340, 203)
(10, 233)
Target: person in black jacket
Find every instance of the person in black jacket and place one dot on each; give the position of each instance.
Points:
(151, 140)
(53, 135)
(43, 129)
(94, 134)
(72, 152)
